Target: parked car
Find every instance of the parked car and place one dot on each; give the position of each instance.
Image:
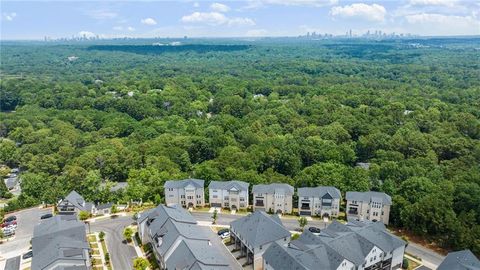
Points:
(8, 231)
(6, 224)
(222, 231)
(10, 219)
(46, 216)
(27, 255)
(225, 235)
(314, 229)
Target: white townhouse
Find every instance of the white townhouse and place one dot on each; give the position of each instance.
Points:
(187, 193)
(228, 194)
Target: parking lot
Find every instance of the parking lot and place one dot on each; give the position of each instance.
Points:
(20, 243)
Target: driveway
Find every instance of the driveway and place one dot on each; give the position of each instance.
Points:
(26, 220)
(121, 254)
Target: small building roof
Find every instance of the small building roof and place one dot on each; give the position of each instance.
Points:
(104, 206)
(336, 244)
(274, 188)
(258, 229)
(59, 238)
(369, 196)
(460, 260)
(197, 183)
(227, 185)
(319, 192)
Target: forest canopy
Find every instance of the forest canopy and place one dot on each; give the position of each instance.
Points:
(82, 116)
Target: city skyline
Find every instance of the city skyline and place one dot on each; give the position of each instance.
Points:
(108, 19)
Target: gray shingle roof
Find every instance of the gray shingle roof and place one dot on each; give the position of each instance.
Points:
(74, 198)
(369, 196)
(460, 260)
(258, 229)
(58, 239)
(227, 185)
(319, 192)
(194, 254)
(338, 242)
(274, 188)
(198, 183)
(194, 250)
(104, 206)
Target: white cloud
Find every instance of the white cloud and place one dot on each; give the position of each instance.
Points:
(148, 21)
(9, 16)
(121, 28)
(219, 7)
(252, 4)
(196, 4)
(372, 12)
(439, 24)
(216, 18)
(449, 3)
(102, 14)
(256, 33)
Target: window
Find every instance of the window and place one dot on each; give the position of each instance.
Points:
(242, 199)
(171, 195)
(214, 190)
(198, 196)
(214, 196)
(182, 196)
(170, 189)
(260, 247)
(190, 197)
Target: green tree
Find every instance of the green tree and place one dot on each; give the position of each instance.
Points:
(215, 216)
(140, 263)
(127, 234)
(83, 215)
(302, 222)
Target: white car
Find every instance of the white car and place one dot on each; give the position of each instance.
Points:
(225, 235)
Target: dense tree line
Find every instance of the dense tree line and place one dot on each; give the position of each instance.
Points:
(298, 113)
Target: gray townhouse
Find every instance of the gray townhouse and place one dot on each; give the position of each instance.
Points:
(276, 198)
(187, 193)
(60, 242)
(73, 203)
(177, 241)
(460, 260)
(253, 234)
(228, 194)
(323, 201)
(371, 205)
(355, 246)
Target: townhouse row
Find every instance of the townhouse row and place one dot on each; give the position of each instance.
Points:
(277, 198)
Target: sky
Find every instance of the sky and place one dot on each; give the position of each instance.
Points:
(248, 18)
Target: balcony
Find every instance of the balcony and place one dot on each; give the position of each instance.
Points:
(353, 212)
(259, 204)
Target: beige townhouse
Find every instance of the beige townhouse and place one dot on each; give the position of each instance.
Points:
(276, 198)
(371, 205)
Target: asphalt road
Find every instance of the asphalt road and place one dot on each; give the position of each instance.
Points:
(26, 220)
(429, 257)
(121, 254)
(224, 219)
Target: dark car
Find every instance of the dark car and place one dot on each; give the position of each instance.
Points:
(46, 216)
(314, 229)
(27, 255)
(10, 219)
(222, 231)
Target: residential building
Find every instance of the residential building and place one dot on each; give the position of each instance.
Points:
(276, 198)
(187, 193)
(319, 201)
(373, 206)
(253, 234)
(177, 241)
(228, 194)
(356, 245)
(60, 242)
(103, 209)
(460, 260)
(73, 204)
